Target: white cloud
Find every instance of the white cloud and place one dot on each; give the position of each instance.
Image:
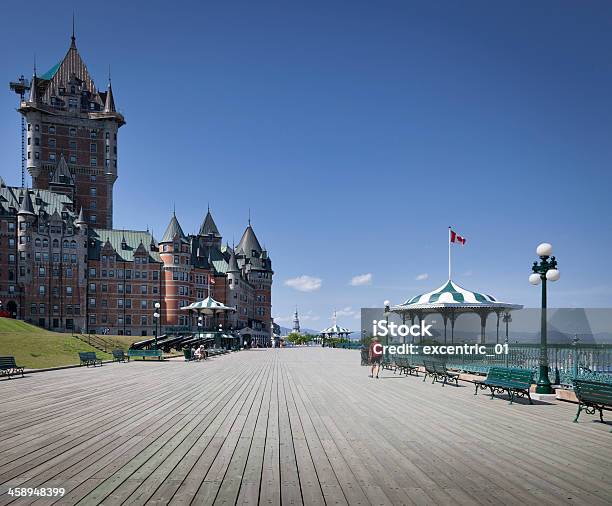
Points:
(347, 311)
(308, 316)
(362, 279)
(422, 277)
(305, 283)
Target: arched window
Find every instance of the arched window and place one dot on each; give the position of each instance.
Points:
(45, 243)
(55, 243)
(65, 244)
(37, 243)
(73, 245)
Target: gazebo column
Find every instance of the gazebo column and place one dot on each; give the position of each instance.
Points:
(483, 326)
(452, 319)
(404, 323)
(497, 331)
(445, 320)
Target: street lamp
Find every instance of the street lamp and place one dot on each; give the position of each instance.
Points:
(200, 323)
(544, 271)
(387, 310)
(156, 317)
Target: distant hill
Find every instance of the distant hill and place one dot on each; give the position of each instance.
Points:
(285, 331)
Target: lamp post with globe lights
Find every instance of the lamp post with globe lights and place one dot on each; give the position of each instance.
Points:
(387, 311)
(545, 270)
(156, 315)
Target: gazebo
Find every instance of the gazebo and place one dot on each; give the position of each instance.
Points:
(208, 307)
(451, 300)
(334, 331)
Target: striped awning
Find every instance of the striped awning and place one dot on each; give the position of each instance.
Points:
(335, 329)
(451, 295)
(208, 306)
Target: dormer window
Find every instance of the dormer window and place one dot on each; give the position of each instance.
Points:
(73, 132)
(93, 134)
(73, 89)
(51, 129)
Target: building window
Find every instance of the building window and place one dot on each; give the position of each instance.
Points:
(93, 134)
(72, 145)
(73, 133)
(41, 290)
(52, 143)
(51, 129)
(93, 161)
(92, 302)
(72, 159)
(93, 147)
(51, 157)
(69, 291)
(93, 191)
(93, 218)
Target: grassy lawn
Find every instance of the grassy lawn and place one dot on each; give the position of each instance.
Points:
(36, 348)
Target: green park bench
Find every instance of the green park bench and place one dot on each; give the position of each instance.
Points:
(438, 371)
(120, 356)
(446, 375)
(89, 358)
(592, 396)
(145, 353)
(403, 365)
(504, 379)
(8, 367)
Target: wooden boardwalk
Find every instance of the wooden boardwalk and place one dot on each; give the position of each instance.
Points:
(289, 426)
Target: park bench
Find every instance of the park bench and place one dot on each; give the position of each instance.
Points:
(89, 358)
(439, 372)
(503, 379)
(120, 356)
(8, 367)
(145, 353)
(404, 366)
(592, 396)
(442, 372)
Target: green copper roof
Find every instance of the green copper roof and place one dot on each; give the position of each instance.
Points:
(48, 75)
(125, 250)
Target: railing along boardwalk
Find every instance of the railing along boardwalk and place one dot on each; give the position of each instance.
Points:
(289, 426)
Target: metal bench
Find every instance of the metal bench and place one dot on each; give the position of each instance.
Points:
(8, 367)
(145, 353)
(89, 358)
(120, 356)
(404, 366)
(592, 396)
(503, 379)
(445, 374)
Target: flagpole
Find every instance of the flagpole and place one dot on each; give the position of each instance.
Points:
(449, 253)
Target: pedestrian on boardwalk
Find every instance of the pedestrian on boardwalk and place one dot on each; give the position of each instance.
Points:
(375, 355)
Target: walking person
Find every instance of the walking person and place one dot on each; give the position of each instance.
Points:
(375, 355)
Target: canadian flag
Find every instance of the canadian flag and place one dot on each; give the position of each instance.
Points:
(455, 237)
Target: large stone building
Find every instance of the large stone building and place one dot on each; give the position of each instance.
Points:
(63, 266)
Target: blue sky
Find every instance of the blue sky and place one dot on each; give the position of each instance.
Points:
(356, 132)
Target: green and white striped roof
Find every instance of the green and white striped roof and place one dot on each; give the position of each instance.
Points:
(335, 329)
(450, 294)
(208, 306)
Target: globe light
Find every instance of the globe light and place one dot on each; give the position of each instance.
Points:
(544, 250)
(534, 279)
(156, 315)
(386, 303)
(553, 275)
